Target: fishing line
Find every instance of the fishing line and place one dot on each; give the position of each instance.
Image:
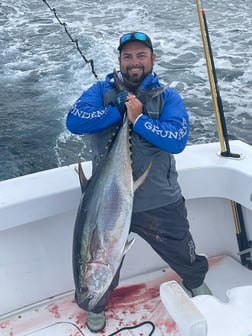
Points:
(74, 41)
(83, 334)
(135, 327)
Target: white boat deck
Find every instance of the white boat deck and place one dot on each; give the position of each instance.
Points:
(137, 300)
(37, 219)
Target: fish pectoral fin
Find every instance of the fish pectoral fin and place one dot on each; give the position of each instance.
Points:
(94, 243)
(142, 178)
(82, 177)
(158, 91)
(145, 96)
(128, 246)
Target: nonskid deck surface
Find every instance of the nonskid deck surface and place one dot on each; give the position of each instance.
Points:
(136, 301)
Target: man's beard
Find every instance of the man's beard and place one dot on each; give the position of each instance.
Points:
(134, 79)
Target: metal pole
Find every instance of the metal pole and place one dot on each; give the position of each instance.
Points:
(211, 78)
(221, 126)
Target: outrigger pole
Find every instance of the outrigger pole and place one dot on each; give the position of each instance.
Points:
(217, 101)
(241, 235)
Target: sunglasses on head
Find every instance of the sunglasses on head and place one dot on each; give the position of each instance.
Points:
(135, 36)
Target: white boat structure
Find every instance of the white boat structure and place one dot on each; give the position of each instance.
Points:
(37, 214)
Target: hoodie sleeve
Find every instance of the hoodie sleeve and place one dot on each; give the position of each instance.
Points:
(170, 132)
(89, 115)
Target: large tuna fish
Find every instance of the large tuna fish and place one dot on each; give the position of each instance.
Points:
(103, 220)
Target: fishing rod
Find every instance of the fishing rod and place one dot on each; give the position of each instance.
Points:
(241, 234)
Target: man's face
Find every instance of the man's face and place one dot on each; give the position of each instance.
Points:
(136, 62)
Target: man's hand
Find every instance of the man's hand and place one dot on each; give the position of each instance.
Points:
(134, 107)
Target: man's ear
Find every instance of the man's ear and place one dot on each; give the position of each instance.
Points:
(154, 56)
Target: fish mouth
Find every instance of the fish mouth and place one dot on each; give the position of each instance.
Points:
(97, 279)
(83, 297)
(86, 300)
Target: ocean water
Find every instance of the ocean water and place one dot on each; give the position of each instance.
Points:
(42, 74)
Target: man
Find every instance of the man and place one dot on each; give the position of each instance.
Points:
(160, 128)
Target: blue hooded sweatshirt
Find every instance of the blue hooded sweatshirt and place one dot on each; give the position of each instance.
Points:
(161, 131)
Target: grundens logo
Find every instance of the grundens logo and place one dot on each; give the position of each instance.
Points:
(166, 133)
(88, 115)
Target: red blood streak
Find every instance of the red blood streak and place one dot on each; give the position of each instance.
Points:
(54, 309)
(171, 326)
(129, 295)
(81, 319)
(215, 261)
(4, 324)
